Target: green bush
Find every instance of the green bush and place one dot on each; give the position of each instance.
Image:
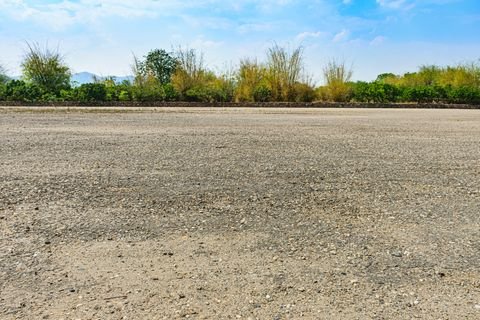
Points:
(262, 93)
(149, 92)
(18, 90)
(464, 94)
(46, 69)
(3, 89)
(198, 94)
(170, 93)
(303, 92)
(124, 95)
(91, 92)
(375, 92)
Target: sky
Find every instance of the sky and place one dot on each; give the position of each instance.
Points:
(371, 36)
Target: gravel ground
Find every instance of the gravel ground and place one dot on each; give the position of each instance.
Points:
(239, 214)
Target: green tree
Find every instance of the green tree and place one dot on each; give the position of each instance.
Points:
(46, 69)
(386, 77)
(159, 64)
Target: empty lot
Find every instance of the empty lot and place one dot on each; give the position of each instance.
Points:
(239, 213)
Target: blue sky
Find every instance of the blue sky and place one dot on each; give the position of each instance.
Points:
(374, 36)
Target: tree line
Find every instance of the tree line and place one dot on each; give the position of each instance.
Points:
(182, 75)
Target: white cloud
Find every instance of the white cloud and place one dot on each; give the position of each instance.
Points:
(69, 12)
(378, 40)
(304, 35)
(397, 4)
(341, 36)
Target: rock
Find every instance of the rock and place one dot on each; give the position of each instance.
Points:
(397, 253)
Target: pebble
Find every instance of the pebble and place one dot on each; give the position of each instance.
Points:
(397, 254)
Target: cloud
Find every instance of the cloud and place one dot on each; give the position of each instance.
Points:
(397, 4)
(304, 35)
(341, 36)
(68, 12)
(378, 40)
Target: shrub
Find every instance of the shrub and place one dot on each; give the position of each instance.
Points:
(91, 92)
(170, 93)
(262, 93)
(285, 70)
(3, 76)
(249, 77)
(124, 95)
(18, 90)
(303, 92)
(337, 77)
(3, 89)
(148, 92)
(190, 74)
(46, 69)
(375, 92)
(464, 94)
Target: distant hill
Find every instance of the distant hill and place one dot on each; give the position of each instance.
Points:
(88, 77)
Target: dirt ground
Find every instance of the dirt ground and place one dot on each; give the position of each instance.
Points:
(239, 214)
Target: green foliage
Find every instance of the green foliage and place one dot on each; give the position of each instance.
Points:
(281, 78)
(337, 76)
(159, 64)
(170, 93)
(251, 82)
(375, 92)
(124, 95)
(3, 77)
(46, 69)
(262, 93)
(190, 74)
(304, 92)
(385, 77)
(183, 76)
(148, 92)
(285, 70)
(18, 90)
(91, 92)
(464, 94)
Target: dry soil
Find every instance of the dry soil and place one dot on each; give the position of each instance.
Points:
(239, 213)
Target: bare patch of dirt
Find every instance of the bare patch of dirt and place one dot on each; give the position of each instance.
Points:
(239, 214)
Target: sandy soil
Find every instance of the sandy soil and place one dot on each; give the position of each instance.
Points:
(239, 214)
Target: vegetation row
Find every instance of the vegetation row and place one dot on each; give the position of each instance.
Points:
(183, 76)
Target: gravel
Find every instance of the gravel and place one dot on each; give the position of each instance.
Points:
(239, 213)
